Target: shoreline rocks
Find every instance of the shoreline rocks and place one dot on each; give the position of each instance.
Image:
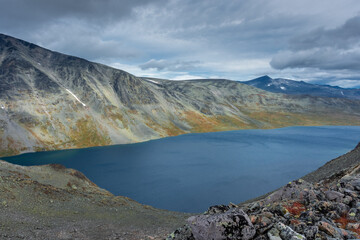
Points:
(299, 210)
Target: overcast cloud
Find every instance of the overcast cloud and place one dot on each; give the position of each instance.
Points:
(315, 41)
(327, 49)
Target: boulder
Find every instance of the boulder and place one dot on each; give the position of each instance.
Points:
(334, 195)
(286, 233)
(232, 224)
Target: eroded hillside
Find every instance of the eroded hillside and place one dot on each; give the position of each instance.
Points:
(50, 101)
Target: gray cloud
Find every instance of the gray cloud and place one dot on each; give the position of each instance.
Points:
(226, 39)
(344, 37)
(169, 65)
(327, 49)
(23, 13)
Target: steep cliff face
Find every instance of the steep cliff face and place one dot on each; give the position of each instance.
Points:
(50, 100)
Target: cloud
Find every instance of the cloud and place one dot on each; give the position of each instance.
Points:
(169, 65)
(325, 49)
(23, 13)
(170, 38)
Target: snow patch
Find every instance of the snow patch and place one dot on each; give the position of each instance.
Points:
(76, 97)
(47, 113)
(149, 80)
(2, 107)
(269, 84)
(39, 64)
(283, 88)
(342, 93)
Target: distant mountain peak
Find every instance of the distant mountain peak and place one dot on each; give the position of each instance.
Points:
(287, 86)
(263, 78)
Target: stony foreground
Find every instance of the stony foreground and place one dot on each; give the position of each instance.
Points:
(52, 202)
(326, 209)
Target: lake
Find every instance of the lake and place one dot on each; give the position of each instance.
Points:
(191, 172)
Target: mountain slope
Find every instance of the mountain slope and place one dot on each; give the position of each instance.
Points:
(50, 101)
(280, 85)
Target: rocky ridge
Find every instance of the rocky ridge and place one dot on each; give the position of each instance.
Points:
(326, 208)
(50, 101)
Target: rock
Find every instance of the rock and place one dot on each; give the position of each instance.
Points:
(341, 208)
(323, 206)
(328, 229)
(347, 200)
(311, 231)
(333, 215)
(334, 195)
(352, 214)
(264, 221)
(254, 207)
(353, 226)
(232, 224)
(253, 219)
(349, 192)
(217, 209)
(261, 237)
(297, 226)
(274, 234)
(309, 217)
(286, 233)
(183, 233)
(356, 184)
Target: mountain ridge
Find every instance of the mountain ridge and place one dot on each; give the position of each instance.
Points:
(50, 101)
(287, 86)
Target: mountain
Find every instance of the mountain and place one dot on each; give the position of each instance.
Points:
(280, 85)
(52, 101)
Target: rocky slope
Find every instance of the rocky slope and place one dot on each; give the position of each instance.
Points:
(280, 85)
(325, 207)
(53, 101)
(52, 202)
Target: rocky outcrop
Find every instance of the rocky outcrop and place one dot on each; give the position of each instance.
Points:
(234, 223)
(51, 101)
(327, 209)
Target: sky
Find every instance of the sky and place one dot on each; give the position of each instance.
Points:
(314, 41)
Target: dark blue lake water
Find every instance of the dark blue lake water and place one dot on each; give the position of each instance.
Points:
(192, 172)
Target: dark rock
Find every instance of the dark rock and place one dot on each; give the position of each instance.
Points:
(286, 233)
(333, 195)
(328, 229)
(233, 224)
(183, 233)
(353, 214)
(356, 184)
(323, 206)
(217, 209)
(341, 208)
(274, 234)
(311, 231)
